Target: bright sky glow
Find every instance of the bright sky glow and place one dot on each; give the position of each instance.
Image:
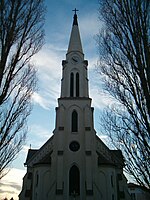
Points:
(41, 123)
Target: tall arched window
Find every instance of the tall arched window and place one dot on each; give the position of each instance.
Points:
(71, 84)
(77, 84)
(74, 181)
(37, 179)
(74, 121)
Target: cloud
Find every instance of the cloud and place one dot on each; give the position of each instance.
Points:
(48, 60)
(25, 149)
(48, 63)
(39, 99)
(38, 131)
(13, 185)
(10, 185)
(89, 25)
(100, 98)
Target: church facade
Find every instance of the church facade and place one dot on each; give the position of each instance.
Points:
(74, 163)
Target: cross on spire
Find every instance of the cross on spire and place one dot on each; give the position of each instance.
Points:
(75, 10)
(75, 22)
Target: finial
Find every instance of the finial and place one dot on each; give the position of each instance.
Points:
(75, 21)
(75, 10)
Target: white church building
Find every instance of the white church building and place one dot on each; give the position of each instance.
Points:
(74, 164)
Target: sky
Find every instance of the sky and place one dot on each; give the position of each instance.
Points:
(41, 122)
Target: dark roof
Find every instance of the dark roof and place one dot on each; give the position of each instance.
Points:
(31, 152)
(117, 156)
(118, 153)
(103, 160)
(45, 160)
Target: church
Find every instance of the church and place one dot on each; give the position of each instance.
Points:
(74, 164)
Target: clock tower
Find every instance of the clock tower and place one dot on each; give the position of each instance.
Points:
(74, 163)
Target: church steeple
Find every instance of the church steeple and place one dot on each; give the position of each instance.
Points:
(75, 41)
(74, 77)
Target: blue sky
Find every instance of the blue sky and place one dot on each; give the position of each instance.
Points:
(41, 122)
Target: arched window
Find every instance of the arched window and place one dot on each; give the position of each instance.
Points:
(71, 84)
(74, 181)
(37, 179)
(77, 84)
(74, 121)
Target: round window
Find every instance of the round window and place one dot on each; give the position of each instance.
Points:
(74, 146)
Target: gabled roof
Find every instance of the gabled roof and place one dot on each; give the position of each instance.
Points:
(102, 160)
(31, 153)
(33, 157)
(107, 156)
(45, 160)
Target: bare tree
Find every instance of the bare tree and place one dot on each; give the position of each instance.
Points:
(125, 70)
(21, 36)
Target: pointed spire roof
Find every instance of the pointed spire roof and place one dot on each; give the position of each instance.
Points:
(75, 41)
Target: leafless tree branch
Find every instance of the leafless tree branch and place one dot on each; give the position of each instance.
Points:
(21, 37)
(125, 69)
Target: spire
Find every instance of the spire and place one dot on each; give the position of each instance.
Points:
(75, 21)
(75, 41)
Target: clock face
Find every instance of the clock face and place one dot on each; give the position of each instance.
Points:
(74, 146)
(75, 59)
